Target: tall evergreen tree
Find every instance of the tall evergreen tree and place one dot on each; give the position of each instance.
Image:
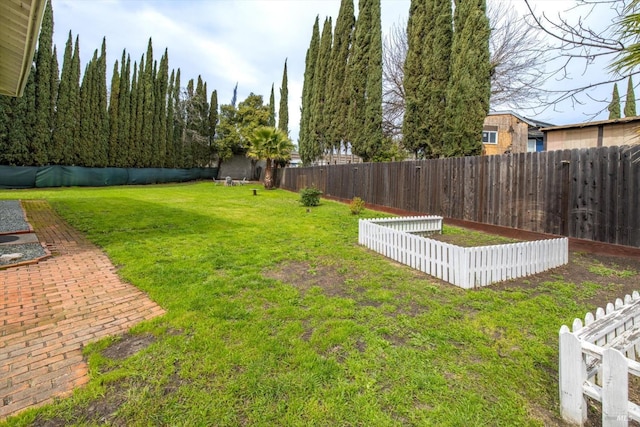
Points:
(437, 64)
(121, 158)
(283, 111)
(320, 122)
(365, 72)
(213, 122)
(169, 145)
(87, 147)
(72, 147)
(308, 153)
(272, 109)
(160, 113)
(371, 145)
(5, 119)
(133, 151)
(62, 128)
(114, 118)
(101, 115)
(54, 83)
(147, 108)
(21, 120)
(469, 87)
(337, 91)
(179, 124)
(614, 105)
(414, 129)
(630, 101)
(41, 142)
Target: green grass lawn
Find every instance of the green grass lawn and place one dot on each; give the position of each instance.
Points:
(277, 317)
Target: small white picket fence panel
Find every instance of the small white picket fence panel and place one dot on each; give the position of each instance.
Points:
(596, 359)
(464, 267)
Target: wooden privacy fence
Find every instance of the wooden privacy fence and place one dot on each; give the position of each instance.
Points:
(596, 359)
(584, 193)
(464, 267)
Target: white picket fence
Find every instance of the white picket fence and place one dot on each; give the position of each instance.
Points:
(464, 267)
(596, 359)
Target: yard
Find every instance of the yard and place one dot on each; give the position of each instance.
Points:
(277, 317)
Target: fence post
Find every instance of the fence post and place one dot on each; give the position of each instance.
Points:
(615, 389)
(572, 375)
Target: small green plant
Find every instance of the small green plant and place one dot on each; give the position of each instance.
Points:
(310, 196)
(604, 271)
(356, 206)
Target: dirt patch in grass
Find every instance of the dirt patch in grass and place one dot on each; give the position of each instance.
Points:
(304, 276)
(102, 411)
(128, 345)
(609, 277)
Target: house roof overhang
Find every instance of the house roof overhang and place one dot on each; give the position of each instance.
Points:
(589, 124)
(20, 22)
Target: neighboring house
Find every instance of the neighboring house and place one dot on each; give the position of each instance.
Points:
(19, 29)
(604, 133)
(508, 132)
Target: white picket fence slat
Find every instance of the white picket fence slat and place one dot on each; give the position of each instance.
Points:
(464, 267)
(595, 360)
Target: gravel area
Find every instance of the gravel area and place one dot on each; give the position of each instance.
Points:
(13, 254)
(12, 220)
(12, 217)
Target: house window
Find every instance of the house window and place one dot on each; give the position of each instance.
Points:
(489, 137)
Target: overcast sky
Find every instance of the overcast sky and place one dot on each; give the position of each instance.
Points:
(243, 41)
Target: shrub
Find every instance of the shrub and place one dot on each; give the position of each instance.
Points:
(356, 206)
(310, 196)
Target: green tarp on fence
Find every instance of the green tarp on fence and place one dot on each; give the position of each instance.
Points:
(69, 176)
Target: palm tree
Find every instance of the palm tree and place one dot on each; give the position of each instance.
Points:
(270, 144)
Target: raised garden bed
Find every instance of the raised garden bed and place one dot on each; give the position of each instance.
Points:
(466, 267)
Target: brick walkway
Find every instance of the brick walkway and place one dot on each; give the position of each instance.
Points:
(50, 310)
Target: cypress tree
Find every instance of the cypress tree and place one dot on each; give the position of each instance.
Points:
(189, 127)
(100, 112)
(62, 130)
(160, 121)
(305, 141)
(436, 65)
(169, 145)
(283, 111)
(43, 105)
(179, 123)
(114, 118)
(320, 121)
(365, 109)
(54, 83)
(614, 105)
(72, 146)
(21, 120)
(147, 109)
(132, 149)
(630, 102)
(272, 109)
(201, 152)
(137, 142)
(414, 130)
(5, 113)
(469, 85)
(371, 144)
(86, 148)
(124, 105)
(337, 91)
(213, 122)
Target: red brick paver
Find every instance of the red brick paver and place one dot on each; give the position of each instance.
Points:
(50, 310)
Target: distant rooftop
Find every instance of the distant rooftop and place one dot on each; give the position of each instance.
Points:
(530, 122)
(588, 124)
